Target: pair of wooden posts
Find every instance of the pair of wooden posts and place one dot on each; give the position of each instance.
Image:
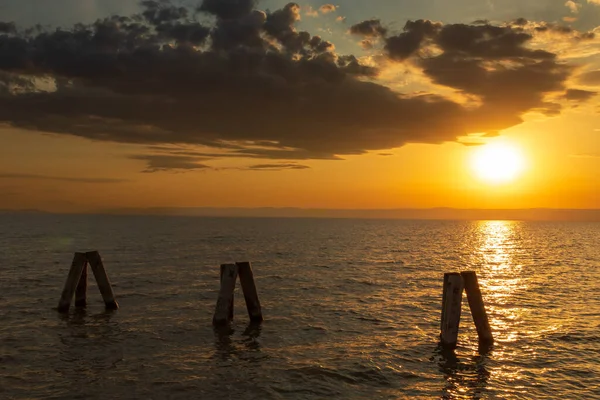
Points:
(224, 308)
(77, 282)
(454, 284)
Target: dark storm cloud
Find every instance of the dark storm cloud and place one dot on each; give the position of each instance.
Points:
(562, 30)
(159, 12)
(60, 178)
(370, 28)
(251, 85)
(579, 95)
(228, 9)
(407, 43)
(7, 27)
(172, 23)
(484, 41)
(161, 162)
(491, 62)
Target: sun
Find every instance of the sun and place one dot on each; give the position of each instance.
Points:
(497, 162)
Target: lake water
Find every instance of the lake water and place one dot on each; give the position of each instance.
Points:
(352, 309)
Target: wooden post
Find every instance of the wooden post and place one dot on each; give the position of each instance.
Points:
(224, 308)
(451, 307)
(250, 292)
(81, 291)
(77, 266)
(232, 299)
(95, 261)
(477, 308)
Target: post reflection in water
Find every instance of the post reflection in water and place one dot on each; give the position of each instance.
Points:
(465, 379)
(467, 371)
(90, 345)
(228, 348)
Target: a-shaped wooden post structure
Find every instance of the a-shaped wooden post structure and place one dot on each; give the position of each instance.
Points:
(454, 283)
(451, 308)
(224, 309)
(76, 283)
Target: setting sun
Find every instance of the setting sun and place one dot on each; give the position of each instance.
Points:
(497, 163)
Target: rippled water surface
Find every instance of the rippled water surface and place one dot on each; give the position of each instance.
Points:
(352, 309)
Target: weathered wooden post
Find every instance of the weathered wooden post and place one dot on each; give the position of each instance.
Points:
(224, 308)
(250, 292)
(451, 307)
(477, 308)
(95, 261)
(81, 291)
(77, 267)
(222, 271)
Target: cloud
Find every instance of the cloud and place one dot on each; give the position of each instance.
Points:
(327, 8)
(246, 151)
(371, 28)
(9, 191)
(164, 162)
(276, 167)
(248, 83)
(7, 175)
(404, 45)
(367, 44)
(324, 9)
(586, 155)
(7, 27)
(558, 30)
(311, 12)
(227, 9)
(590, 78)
(579, 95)
(597, 2)
(472, 144)
(490, 62)
(572, 6)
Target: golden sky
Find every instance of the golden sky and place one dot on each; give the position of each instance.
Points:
(307, 105)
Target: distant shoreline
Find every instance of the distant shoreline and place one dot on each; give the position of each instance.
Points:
(534, 214)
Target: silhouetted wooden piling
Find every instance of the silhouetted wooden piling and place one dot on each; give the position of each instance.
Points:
(250, 292)
(451, 308)
(224, 308)
(102, 280)
(477, 308)
(77, 266)
(223, 268)
(81, 291)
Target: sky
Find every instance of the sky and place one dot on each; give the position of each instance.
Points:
(349, 105)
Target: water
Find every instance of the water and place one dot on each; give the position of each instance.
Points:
(352, 309)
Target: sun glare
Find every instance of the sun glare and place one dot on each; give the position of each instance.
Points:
(497, 163)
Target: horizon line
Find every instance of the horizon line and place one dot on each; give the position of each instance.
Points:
(432, 213)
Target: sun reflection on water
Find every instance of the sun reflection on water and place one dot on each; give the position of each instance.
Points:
(494, 255)
(500, 276)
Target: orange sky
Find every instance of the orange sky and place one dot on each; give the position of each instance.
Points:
(414, 161)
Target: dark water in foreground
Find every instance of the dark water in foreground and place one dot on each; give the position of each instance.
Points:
(352, 310)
